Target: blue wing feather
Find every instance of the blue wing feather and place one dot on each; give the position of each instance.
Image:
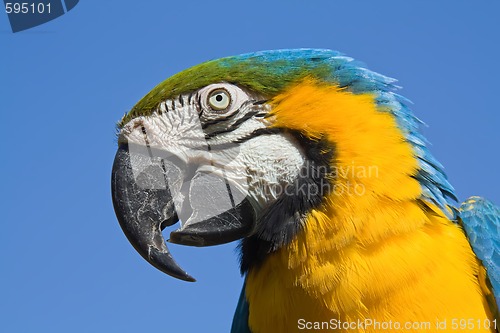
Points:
(240, 320)
(481, 221)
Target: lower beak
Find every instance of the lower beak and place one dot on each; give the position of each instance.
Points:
(151, 192)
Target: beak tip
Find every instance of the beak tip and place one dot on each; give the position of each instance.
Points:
(185, 277)
(164, 261)
(190, 279)
(180, 275)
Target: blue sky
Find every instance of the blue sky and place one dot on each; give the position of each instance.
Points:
(66, 265)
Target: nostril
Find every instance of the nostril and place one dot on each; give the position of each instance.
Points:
(137, 123)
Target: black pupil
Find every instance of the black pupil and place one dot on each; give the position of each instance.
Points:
(219, 98)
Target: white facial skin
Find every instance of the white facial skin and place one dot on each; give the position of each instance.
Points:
(210, 129)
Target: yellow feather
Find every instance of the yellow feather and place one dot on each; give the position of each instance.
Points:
(372, 251)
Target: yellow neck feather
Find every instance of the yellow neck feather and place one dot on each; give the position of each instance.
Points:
(372, 250)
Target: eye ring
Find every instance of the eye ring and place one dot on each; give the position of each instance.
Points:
(219, 99)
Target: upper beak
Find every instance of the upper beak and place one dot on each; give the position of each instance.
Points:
(152, 190)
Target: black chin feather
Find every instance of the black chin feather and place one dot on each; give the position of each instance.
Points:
(285, 218)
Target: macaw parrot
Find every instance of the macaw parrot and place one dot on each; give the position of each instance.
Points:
(347, 222)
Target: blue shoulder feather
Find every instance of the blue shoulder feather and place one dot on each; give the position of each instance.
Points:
(481, 221)
(240, 320)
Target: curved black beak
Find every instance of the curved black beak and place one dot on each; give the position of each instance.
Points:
(151, 192)
(142, 204)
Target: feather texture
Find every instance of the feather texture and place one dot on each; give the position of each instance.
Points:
(481, 221)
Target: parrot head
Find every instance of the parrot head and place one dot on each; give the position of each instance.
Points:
(245, 147)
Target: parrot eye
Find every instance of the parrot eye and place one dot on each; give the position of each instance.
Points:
(219, 99)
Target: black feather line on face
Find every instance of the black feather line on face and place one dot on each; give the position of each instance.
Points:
(285, 218)
(234, 126)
